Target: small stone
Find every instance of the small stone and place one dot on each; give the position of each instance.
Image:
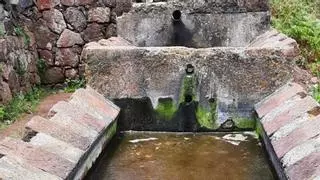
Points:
(83, 2)
(54, 75)
(71, 73)
(55, 21)
(5, 93)
(46, 4)
(69, 38)
(76, 18)
(44, 37)
(67, 57)
(111, 30)
(314, 80)
(46, 56)
(26, 3)
(13, 82)
(67, 2)
(122, 6)
(93, 32)
(99, 15)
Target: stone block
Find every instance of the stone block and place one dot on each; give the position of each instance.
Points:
(99, 15)
(69, 38)
(55, 20)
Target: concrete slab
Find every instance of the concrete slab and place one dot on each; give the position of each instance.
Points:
(37, 157)
(277, 98)
(15, 169)
(78, 115)
(300, 135)
(57, 147)
(288, 113)
(65, 134)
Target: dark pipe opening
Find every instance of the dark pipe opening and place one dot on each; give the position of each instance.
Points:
(190, 69)
(188, 98)
(176, 15)
(212, 100)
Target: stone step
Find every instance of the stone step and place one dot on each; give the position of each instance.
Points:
(287, 112)
(36, 157)
(65, 134)
(306, 131)
(57, 147)
(77, 115)
(99, 108)
(14, 169)
(66, 120)
(307, 168)
(277, 98)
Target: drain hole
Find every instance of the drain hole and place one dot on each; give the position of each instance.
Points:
(1, 155)
(176, 15)
(187, 98)
(211, 100)
(29, 135)
(190, 69)
(228, 124)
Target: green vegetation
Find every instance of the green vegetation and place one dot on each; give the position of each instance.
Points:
(259, 128)
(188, 88)
(41, 67)
(298, 19)
(21, 104)
(316, 92)
(207, 118)
(244, 123)
(73, 84)
(21, 68)
(21, 33)
(166, 108)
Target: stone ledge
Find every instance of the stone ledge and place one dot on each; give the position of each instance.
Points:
(290, 121)
(65, 145)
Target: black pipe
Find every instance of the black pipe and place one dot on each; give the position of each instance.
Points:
(176, 15)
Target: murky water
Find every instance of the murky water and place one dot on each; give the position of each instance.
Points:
(216, 156)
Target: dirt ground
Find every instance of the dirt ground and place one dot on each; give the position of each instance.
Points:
(17, 129)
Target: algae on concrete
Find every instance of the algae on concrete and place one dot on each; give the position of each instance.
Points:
(244, 123)
(166, 108)
(207, 117)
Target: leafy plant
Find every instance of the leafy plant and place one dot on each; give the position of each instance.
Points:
(71, 85)
(22, 103)
(316, 92)
(41, 67)
(21, 32)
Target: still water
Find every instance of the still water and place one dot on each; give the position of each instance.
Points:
(183, 156)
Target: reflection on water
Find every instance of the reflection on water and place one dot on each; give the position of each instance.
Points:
(163, 156)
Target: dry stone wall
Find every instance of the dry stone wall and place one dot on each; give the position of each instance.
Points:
(17, 53)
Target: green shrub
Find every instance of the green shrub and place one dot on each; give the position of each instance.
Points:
(21, 33)
(298, 19)
(71, 85)
(22, 103)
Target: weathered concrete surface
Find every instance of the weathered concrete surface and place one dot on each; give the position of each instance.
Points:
(291, 120)
(236, 77)
(64, 146)
(203, 23)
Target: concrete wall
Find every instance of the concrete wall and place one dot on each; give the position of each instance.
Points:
(203, 24)
(236, 77)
